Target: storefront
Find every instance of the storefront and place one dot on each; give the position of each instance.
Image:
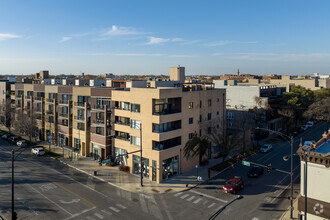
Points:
(170, 167)
(95, 151)
(119, 156)
(137, 166)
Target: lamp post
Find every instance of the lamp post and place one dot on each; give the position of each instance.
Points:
(141, 168)
(289, 139)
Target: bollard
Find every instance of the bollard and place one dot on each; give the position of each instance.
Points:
(186, 185)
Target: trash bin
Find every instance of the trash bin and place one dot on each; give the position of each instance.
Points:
(95, 172)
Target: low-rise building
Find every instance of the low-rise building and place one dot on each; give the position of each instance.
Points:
(317, 161)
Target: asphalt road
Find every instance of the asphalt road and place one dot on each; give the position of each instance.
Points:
(47, 189)
(265, 197)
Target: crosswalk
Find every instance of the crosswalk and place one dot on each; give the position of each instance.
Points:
(105, 213)
(198, 198)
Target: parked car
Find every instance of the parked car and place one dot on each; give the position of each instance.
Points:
(309, 124)
(38, 151)
(233, 185)
(255, 171)
(22, 143)
(14, 139)
(266, 148)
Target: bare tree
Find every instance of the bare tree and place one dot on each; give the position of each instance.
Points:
(26, 124)
(7, 112)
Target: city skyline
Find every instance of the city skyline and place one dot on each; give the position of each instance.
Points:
(258, 37)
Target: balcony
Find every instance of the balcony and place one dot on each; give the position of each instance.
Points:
(63, 102)
(81, 105)
(18, 96)
(98, 121)
(79, 118)
(50, 112)
(122, 123)
(38, 111)
(38, 99)
(100, 108)
(63, 115)
(28, 97)
(50, 100)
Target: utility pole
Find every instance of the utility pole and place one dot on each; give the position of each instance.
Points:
(141, 168)
(12, 184)
(291, 198)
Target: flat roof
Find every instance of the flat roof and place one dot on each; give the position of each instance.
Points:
(324, 148)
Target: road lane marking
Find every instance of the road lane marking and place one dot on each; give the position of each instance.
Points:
(177, 194)
(59, 185)
(184, 196)
(82, 212)
(98, 215)
(50, 200)
(197, 201)
(211, 205)
(208, 196)
(191, 198)
(69, 202)
(106, 212)
(114, 209)
(121, 206)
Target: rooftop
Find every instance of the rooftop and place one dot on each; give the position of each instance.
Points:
(324, 148)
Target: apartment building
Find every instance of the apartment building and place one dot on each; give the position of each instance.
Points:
(310, 83)
(163, 119)
(317, 161)
(75, 117)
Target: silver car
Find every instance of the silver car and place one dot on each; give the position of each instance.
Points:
(39, 151)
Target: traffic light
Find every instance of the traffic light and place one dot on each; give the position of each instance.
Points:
(14, 215)
(142, 165)
(269, 168)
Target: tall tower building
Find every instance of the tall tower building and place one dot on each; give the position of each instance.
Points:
(177, 74)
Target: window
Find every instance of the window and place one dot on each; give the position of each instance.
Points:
(218, 100)
(217, 112)
(122, 135)
(125, 106)
(165, 127)
(229, 124)
(191, 120)
(218, 126)
(65, 110)
(135, 107)
(166, 106)
(200, 118)
(101, 102)
(76, 143)
(200, 104)
(191, 105)
(209, 130)
(80, 126)
(122, 120)
(163, 145)
(135, 141)
(135, 124)
(200, 132)
(65, 122)
(51, 119)
(191, 135)
(230, 115)
(209, 102)
(216, 148)
(209, 116)
(100, 130)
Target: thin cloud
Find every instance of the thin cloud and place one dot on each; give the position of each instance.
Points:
(139, 54)
(117, 31)
(65, 39)
(157, 40)
(218, 43)
(282, 57)
(216, 54)
(182, 56)
(8, 36)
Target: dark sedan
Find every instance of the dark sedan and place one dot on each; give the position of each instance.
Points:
(255, 171)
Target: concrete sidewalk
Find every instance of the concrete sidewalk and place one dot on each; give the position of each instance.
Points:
(286, 214)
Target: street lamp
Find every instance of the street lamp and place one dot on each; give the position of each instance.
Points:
(289, 139)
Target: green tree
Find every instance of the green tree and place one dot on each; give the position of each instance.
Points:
(296, 102)
(319, 110)
(197, 146)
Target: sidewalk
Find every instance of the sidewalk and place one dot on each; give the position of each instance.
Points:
(286, 214)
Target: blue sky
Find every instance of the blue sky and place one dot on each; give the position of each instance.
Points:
(147, 37)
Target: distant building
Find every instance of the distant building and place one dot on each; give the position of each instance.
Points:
(177, 74)
(309, 83)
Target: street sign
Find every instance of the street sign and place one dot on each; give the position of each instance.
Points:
(245, 163)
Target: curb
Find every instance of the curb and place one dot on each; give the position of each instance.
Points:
(194, 186)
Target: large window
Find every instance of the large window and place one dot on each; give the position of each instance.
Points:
(135, 141)
(170, 167)
(122, 135)
(81, 126)
(76, 143)
(166, 106)
(65, 122)
(100, 130)
(163, 145)
(101, 102)
(122, 120)
(191, 121)
(135, 107)
(165, 127)
(125, 106)
(135, 124)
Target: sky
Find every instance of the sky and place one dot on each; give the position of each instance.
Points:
(148, 36)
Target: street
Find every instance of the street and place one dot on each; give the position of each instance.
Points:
(48, 189)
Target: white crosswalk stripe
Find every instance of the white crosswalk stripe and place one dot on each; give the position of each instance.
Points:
(191, 198)
(177, 194)
(114, 209)
(211, 205)
(121, 206)
(197, 200)
(106, 212)
(184, 196)
(98, 215)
